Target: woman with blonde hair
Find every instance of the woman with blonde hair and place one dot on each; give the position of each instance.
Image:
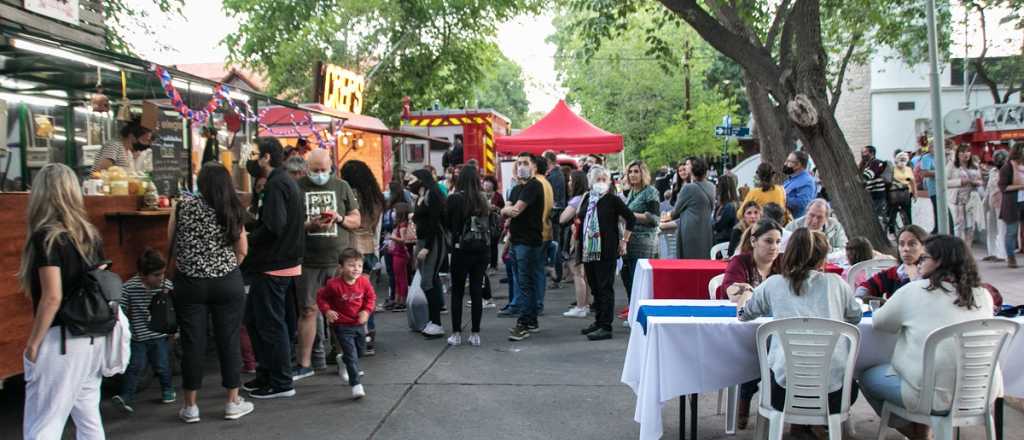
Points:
(62, 372)
(643, 243)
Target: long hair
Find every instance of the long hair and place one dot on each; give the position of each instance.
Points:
(645, 174)
(468, 184)
(805, 252)
(726, 190)
(396, 193)
(578, 179)
(362, 181)
(216, 188)
(742, 214)
(765, 175)
(55, 209)
(956, 157)
(859, 249)
(956, 266)
(755, 231)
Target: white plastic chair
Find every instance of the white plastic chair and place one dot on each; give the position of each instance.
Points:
(720, 251)
(808, 344)
(869, 268)
(713, 285)
(978, 345)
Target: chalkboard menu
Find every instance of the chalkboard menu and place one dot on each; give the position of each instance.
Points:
(170, 158)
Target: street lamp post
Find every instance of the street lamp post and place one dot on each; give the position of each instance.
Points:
(938, 135)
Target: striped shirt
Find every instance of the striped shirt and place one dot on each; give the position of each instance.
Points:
(135, 298)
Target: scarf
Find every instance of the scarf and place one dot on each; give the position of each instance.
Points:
(592, 230)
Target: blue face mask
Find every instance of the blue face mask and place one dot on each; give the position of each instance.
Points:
(320, 179)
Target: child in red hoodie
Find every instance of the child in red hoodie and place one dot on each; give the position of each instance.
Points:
(347, 301)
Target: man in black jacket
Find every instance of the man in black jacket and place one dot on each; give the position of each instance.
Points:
(274, 264)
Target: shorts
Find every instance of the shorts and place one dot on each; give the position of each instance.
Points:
(312, 279)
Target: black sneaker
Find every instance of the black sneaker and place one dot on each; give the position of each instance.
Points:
(600, 335)
(533, 328)
(519, 333)
(254, 384)
(271, 393)
(592, 328)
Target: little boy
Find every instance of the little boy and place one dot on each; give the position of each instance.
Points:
(347, 301)
(147, 345)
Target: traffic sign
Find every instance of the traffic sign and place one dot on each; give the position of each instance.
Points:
(725, 131)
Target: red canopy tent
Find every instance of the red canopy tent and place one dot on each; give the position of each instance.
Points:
(562, 131)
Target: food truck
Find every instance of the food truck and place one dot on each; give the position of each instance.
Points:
(476, 128)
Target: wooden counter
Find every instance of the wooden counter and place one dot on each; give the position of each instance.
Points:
(126, 232)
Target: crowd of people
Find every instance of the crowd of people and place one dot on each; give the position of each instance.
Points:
(285, 282)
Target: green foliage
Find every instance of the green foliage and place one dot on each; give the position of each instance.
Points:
(504, 90)
(625, 87)
(693, 136)
(117, 13)
(427, 50)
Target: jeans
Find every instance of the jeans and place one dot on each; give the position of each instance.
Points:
(530, 266)
(513, 284)
(554, 258)
(353, 344)
(882, 384)
(156, 353)
(472, 266)
(196, 300)
(601, 279)
(1010, 241)
(268, 329)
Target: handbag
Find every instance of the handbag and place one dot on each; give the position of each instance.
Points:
(162, 318)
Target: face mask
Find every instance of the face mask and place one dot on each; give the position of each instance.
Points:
(600, 188)
(320, 179)
(523, 172)
(140, 147)
(786, 169)
(414, 187)
(252, 166)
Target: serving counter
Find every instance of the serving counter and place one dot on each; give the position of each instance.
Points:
(126, 232)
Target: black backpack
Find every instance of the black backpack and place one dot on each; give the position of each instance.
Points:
(92, 309)
(162, 318)
(476, 234)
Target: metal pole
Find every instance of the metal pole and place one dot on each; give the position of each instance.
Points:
(938, 133)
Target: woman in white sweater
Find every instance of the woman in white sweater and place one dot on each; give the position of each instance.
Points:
(949, 292)
(803, 290)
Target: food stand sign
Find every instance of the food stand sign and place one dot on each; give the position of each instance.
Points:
(339, 88)
(170, 159)
(63, 10)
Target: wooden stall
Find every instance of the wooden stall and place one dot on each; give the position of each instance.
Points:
(126, 232)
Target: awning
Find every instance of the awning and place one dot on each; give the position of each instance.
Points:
(561, 131)
(279, 119)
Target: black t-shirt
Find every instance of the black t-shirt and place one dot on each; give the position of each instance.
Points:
(63, 255)
(528, 227)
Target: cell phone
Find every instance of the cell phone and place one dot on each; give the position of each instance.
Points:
(326, 215)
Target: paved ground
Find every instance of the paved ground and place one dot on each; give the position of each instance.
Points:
(555, 385)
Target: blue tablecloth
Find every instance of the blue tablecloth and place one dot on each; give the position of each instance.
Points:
(684, 311)
(647, 311)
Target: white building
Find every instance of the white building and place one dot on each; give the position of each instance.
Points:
(887, 102)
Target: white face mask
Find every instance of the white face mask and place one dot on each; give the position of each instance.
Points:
(523, 172)
(600, 188)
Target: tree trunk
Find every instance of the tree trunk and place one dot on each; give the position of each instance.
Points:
(824, 140)
(774, 130)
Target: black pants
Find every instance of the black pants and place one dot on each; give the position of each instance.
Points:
(268, 329)
(903, 210)
(601, 279)
(435, 299)
(835, 398)
(470, 265)
(195, 301)
(628, 268)
(935, 215)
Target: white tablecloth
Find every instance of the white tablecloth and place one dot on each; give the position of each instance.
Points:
(679, 356)
(643, 286)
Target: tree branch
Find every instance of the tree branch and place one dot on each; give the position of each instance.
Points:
(837, 89)
(773, 31)
(979, 63)
(752, 58)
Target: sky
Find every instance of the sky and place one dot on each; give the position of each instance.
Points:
(196, 37)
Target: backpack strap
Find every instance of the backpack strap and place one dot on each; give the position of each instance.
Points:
(63, 341)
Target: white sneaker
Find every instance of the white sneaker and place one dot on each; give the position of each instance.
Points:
(474, 339)
(455, 339)
(358, 392)
(576, 312)
(488, 304)
(189, 414)
(433, 330)
(235, 410)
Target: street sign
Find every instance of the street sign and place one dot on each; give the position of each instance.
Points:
(725, 131)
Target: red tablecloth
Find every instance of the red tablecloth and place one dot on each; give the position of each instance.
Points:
(688, 279)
